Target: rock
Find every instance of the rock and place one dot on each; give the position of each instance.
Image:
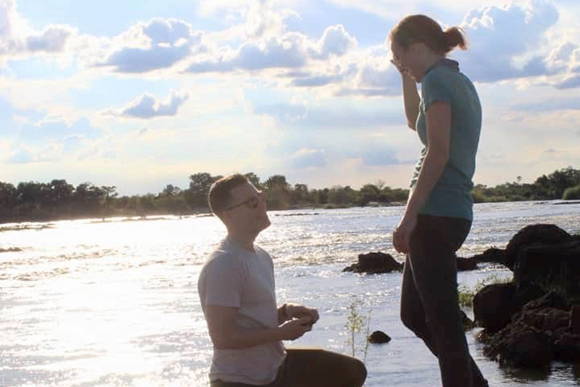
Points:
(567, 347)
(491, 255)
(546, 319)
(575, 320)
(468, 324)
(494, 305)
(554, 266)
(521, 345)
(466, 264)
(375, 263)
(530, 321)
(527, 349)
(535, 336)
(379, 337)
(547, 300)
(545, 234)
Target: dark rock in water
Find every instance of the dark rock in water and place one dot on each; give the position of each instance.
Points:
(567, 347)
(467, 323)
(528, 349)
(491, 255)
(536, 318)
(545, 234)
(375, 263)
(494, 305)
(575, 320)
(548, 300)
(536, 335)
(466, 264)
(552, 266)
(379, 337)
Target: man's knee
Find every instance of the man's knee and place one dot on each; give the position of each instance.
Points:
(358, 373)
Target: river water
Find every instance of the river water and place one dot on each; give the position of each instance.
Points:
(114, 302)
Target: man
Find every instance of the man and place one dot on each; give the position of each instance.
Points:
(237, 294)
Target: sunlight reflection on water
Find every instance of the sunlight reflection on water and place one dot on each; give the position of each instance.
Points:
(89, 302)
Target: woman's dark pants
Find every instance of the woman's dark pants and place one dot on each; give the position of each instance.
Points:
(429, 303)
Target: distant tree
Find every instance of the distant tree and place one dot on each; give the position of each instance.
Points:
(254, 179)
(369, 193)
(342, 196)
(572, 193)
(299, 194)
(8, 200)
(199, 186)
(552, 186)
(278, 192)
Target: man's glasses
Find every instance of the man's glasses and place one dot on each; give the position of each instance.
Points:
(251, 203)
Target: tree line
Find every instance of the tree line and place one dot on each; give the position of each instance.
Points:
(30, 201)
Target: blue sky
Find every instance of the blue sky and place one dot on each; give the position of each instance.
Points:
(141, 94)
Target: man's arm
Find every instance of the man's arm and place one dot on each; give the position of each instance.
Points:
(225, 334)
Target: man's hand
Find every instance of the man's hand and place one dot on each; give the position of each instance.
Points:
(300, 311)
(293, 329)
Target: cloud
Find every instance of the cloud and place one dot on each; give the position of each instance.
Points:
(379, 157)
(148, 106)
(287, 51)
(40, 154)
(552, 104)
(501, 36)
(57, 129)
(334, 41)
(334, 116)
(17, 39)
(20, 156)
(290, 50)
(308, 158)
(159, 44)
(52, 39)
(569, 82)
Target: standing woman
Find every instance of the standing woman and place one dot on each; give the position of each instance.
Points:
(438, 215)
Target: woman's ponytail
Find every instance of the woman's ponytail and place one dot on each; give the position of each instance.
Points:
(454, 38)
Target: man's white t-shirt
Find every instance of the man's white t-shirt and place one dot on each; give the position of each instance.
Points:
(239, 278)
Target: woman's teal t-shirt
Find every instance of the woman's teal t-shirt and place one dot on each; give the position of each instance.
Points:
(451, 195)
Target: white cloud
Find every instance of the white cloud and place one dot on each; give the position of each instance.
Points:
(17, 38)
(148, 106)
(285, 51)
(159, 44)
(500, 35)
(308, 158)
(334, 41)
(57, 129)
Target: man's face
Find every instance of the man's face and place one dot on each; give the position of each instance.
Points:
(247, 209)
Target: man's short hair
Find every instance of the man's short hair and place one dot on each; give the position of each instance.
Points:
(220, 192)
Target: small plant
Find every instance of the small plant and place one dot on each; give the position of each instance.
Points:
(355, 323)
(465, 296)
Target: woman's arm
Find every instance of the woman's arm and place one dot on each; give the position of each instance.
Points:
(411, 100)
(411, 97)
(439, 136)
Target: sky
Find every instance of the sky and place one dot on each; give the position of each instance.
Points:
(142, 94)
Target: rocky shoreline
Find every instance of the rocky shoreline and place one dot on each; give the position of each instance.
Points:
(532, 320)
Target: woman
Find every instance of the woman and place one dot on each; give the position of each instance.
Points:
(438, 215)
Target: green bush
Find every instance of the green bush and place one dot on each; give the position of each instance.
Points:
(572, 193)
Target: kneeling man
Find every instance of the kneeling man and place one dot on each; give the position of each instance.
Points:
(237, 294)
